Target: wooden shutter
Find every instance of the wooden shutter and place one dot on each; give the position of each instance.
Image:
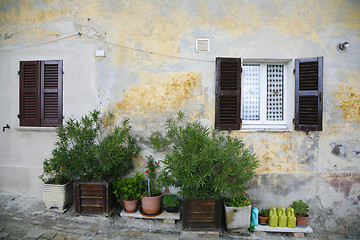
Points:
(309, 94)
(228, 93)
(51, 93)
(30, 93)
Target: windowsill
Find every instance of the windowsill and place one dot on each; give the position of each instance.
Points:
(36, 129)
(265, 128)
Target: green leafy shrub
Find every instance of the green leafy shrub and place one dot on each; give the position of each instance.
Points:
(86, 156)
(203, 163)
(264, 212)
(129, 189)
(300, 208)
(171, 200)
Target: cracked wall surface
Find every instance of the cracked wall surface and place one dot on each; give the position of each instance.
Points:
(151, 70)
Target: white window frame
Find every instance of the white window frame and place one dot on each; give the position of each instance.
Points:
(288, 94)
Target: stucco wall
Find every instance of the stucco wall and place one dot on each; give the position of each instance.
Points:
(151, 71)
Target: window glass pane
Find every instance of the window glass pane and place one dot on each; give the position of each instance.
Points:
(251, 92)
(275, 93)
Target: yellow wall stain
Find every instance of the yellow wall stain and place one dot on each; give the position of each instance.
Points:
(348, 99)
(157, 95)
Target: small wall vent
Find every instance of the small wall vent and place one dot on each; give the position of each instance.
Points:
(202, 45)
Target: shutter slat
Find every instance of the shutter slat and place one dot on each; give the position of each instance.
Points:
(227, 107)
(308, 94)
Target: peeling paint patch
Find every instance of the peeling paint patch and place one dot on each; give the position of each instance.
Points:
(158, 97)
(347, 184)
(338, 150)
(348, 98)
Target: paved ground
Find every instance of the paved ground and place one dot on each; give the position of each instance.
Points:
(26, 218)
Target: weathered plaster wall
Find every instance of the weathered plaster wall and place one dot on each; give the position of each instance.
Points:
(151, 71)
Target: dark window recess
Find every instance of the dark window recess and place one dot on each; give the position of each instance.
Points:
(308, 94)
(228, 93)
(41, 93)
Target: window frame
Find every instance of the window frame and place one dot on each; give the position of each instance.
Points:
(288, 101)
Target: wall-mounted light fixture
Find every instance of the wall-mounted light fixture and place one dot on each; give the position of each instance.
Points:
(343, 46)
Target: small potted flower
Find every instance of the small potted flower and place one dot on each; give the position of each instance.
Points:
(238, 211)
(301, 210)
(58, 190)
(151, 200)
(129, 191)
(264, 216)
(171, 203)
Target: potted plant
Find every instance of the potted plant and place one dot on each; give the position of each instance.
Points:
(171, 203)
(95, 156)
(151, 200)
(57, 190)
(204, 164)
(238, 211)
(129, 190)
(301, 210)
(264, 216)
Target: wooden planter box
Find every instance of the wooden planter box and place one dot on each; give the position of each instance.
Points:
(56, 195)
(202, 214)
(93, 198)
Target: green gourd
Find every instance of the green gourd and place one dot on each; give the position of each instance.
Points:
(282, 217)
(273, 217)
(291, 221)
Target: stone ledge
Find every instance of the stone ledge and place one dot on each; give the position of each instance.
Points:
(267, 228)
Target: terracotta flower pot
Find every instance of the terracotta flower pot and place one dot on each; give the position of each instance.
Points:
(263, 220)
(302, 222)
(130, 206)
(151, 205)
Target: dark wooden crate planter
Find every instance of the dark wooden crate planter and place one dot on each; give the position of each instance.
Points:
(202, 214)
(93, 198)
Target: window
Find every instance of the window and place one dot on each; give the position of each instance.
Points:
(41, 93)
(260, 94)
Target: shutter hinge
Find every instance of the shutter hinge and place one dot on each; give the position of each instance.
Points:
(294, 71)
(19, 73)
(63, 117)
(241, 70)
(18, 116)
(63, 72)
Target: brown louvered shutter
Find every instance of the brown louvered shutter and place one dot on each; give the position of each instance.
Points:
(228, 93)
(51, 93)
(30, 93)
(309, 94)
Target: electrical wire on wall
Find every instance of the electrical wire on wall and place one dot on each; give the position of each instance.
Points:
(107, 42)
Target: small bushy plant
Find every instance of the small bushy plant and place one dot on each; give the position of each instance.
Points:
(129, 189)
(151, 166)
(264, 212)
(300, 208)
(171, 200)
(241, 200)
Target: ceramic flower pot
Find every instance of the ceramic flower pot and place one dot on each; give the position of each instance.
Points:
(237, 217)
(151, 205)
(130, 206)
(57, 195)
(172, 209)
